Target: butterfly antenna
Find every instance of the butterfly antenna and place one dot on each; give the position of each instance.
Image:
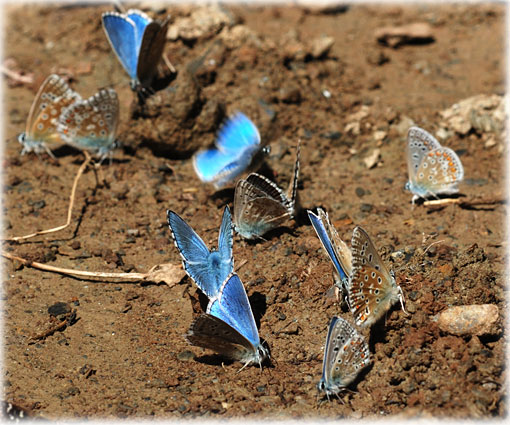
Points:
(294, 182)
(117, 5)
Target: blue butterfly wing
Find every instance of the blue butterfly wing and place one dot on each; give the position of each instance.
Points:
(326, 243)
(141, 20)
(233, 307)
(121, 33)
(225, 243)
(196, 256)
(237, 134)
(211, 164)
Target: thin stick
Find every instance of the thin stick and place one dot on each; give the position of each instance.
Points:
(464, 204)
(432, 244)
(75, 273)
(169, 64)
(16, 76)
(88, 158)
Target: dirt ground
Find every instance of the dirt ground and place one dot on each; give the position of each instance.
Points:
(124, 354)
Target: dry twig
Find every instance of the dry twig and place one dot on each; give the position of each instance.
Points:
(70, 209)
(170, 274)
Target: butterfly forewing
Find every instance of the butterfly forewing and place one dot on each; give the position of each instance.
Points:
(121, 32)
(337, 250)
(140, 20)
(226, 240)
(53, 97)
(233, 307)
(419, 143)
(372, 289)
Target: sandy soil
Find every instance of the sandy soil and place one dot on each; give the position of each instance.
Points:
(124, 354)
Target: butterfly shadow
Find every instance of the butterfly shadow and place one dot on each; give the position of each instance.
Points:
(223, 196)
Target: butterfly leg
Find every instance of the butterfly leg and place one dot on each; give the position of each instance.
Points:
(48, 151)
(402, 299)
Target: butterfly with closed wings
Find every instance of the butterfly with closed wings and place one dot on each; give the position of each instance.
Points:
(138, 42)
(372, 287)
(345, 355)
(433, 169)
(53, 97)
(260, 205)
(91, 124)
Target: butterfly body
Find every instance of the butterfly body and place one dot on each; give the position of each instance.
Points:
(208, 269)
(337, 250)
(228, 327)
(238, 147)
(346, 354)
(372, 287)
(260, 205)
(91, 124)
(138, 42)
(52, 98)
(433, 169)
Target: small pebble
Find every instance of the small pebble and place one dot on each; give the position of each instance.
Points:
(468, 319)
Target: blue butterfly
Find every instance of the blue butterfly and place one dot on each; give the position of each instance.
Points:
(345, 355)
(337, 250)
(228, 327)
(138, 42)
(208, 269)
(238, 144)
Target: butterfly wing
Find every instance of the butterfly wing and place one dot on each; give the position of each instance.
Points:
(337, 250)
(372, 289)
(121, 32)
(53, 97)
(259, 206)
(225, 244)
(208, 331)
(233, 307)
(214, 166)
(237, 134)
(91, 124)
(419, 144)
(205, 268)
(141, 20)
(439, 172)
(346, 354)
(292, 190)
(151, 50)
